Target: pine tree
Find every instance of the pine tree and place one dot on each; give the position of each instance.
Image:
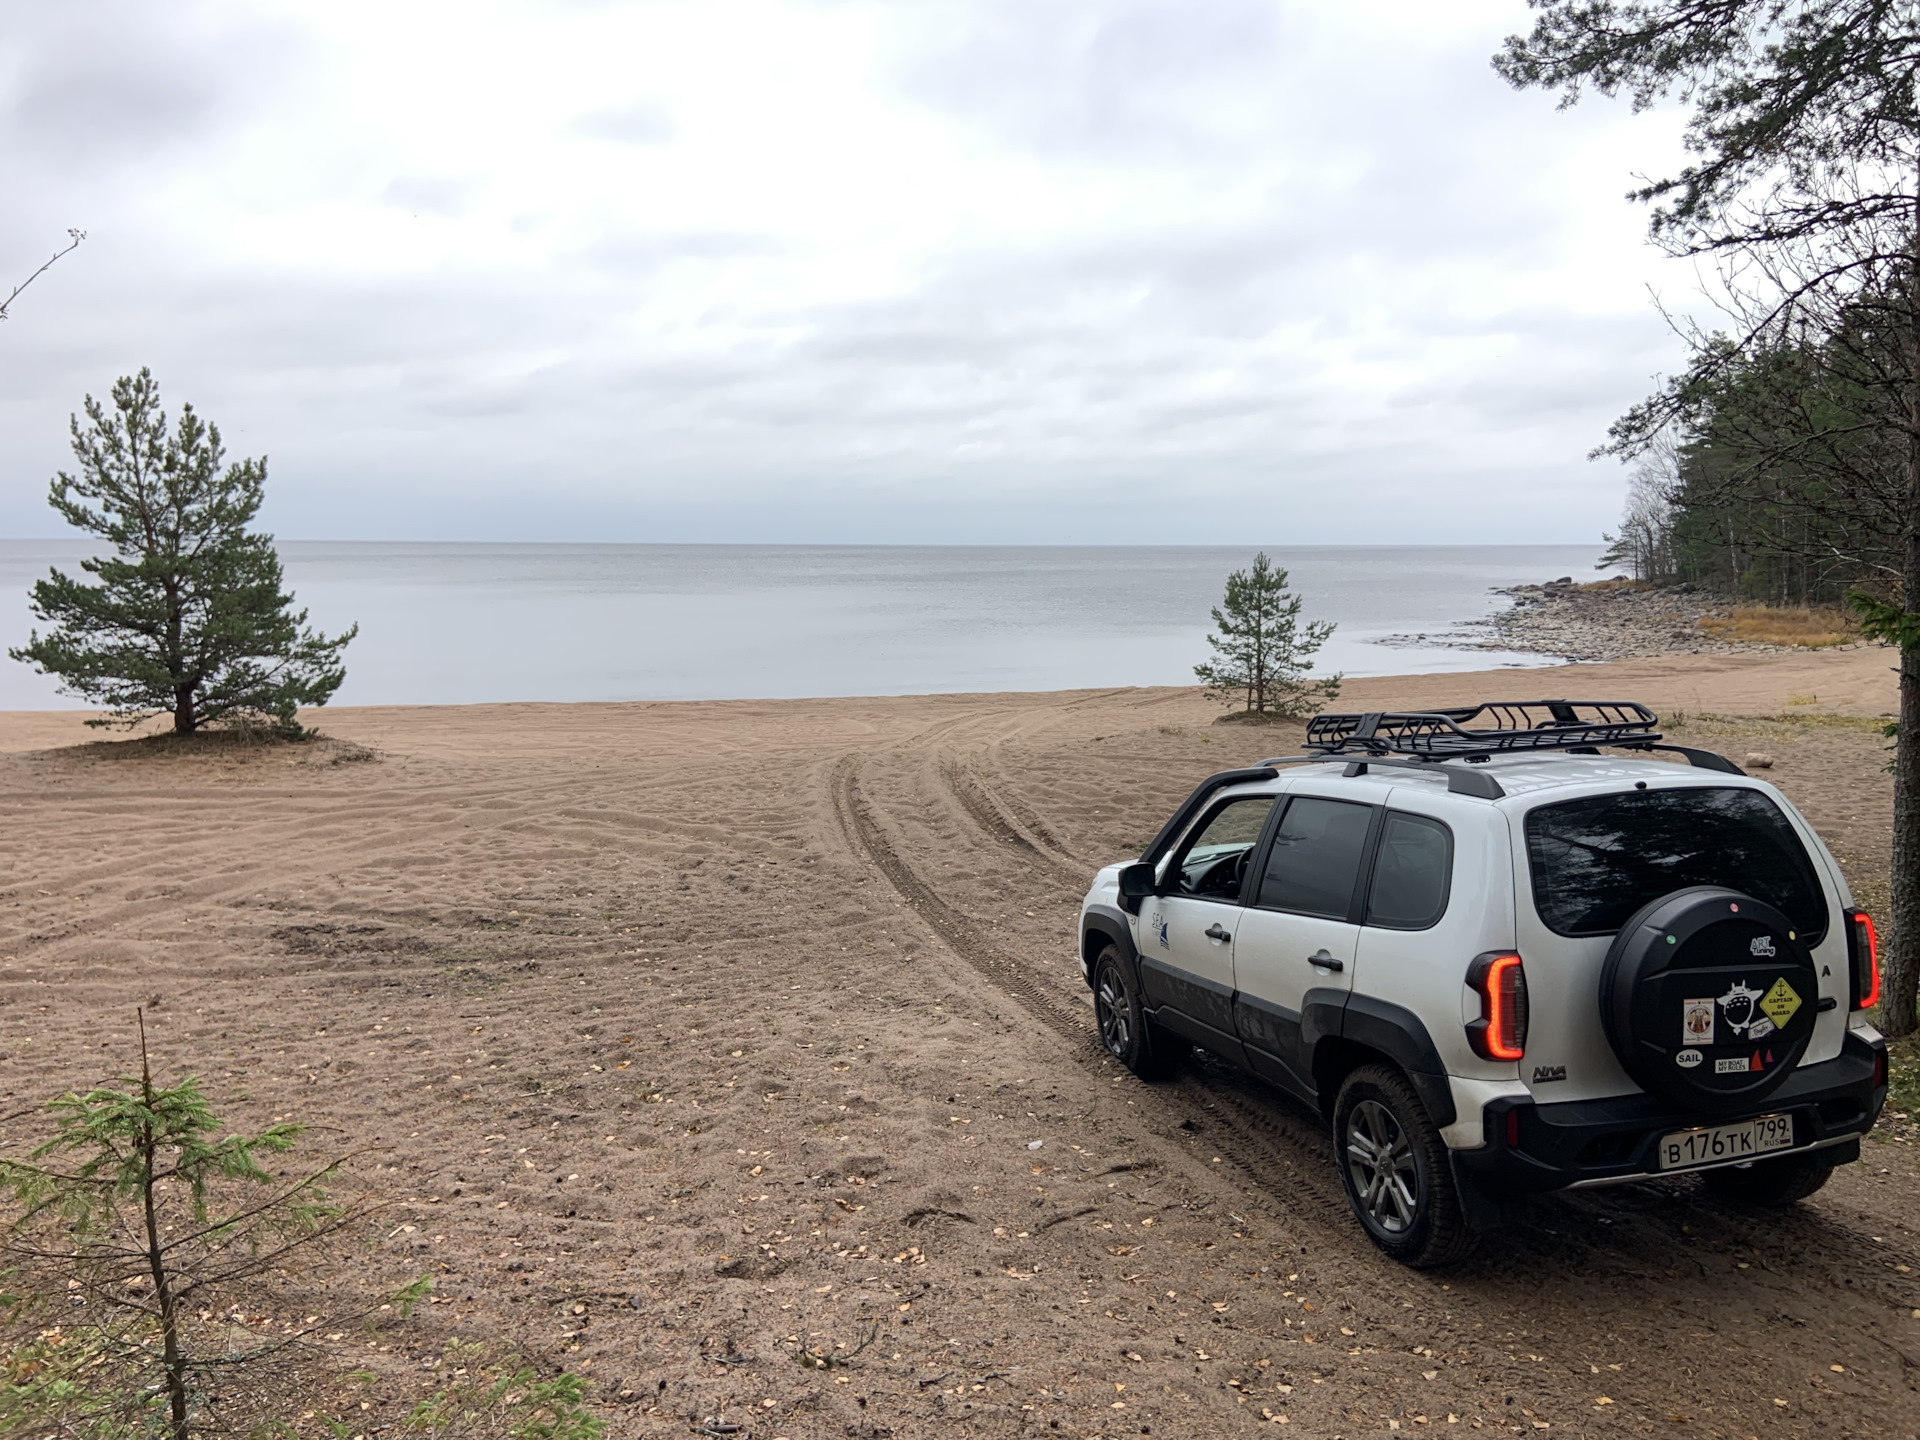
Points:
(1263, 651)
(1802, 186)
(189, 617)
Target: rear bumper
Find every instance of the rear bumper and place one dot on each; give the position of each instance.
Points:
(1604, 1142)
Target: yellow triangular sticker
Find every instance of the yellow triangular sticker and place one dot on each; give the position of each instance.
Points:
(1780, 1002)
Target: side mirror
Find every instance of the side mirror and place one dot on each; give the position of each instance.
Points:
(1136, 883)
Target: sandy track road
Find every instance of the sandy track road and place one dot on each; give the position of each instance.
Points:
(754, 1028)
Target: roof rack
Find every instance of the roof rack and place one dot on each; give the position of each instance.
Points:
(1432, 737)
(1497, 728)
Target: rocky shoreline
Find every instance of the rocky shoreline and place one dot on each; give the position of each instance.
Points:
(1609, 622)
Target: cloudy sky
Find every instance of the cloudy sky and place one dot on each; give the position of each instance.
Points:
(829, 270)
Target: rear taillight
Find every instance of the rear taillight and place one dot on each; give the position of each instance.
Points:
(1501, 983)
(1863, 949)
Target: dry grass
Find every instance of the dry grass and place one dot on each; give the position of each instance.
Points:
(1618, 582)
(226, 746)
(1788, 722)
(1811, 629)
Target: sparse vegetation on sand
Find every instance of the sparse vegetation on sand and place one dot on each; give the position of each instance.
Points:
(157, 1279)
(139, 1239)
(1804, 628)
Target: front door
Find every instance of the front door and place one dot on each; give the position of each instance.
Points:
(1299, 937)
(1186, 950)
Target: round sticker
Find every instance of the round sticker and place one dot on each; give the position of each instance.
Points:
(1687, 1059)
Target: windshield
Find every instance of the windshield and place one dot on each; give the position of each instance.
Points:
(1596, 861)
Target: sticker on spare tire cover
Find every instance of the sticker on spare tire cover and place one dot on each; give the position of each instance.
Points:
(1687, 1059)
(1740, 1008)
(1696, 1021)
(1780, 1004)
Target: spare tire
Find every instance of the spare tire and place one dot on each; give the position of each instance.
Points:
(1709, 997)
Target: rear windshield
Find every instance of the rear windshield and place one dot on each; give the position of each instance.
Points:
(1596, 861)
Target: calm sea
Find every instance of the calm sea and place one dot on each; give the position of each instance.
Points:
(446, 624)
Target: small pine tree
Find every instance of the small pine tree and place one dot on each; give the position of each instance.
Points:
(189, 617)
(1263, 651)
(136, 1239)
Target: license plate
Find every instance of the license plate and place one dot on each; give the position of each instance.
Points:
(1712, 1144)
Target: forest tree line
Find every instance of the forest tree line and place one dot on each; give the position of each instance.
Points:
(1768, 479)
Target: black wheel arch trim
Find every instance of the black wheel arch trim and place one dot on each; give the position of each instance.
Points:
(1110, 926)
(1397, 1033)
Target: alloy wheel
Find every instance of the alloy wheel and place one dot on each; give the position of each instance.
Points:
(1111, 1010)
(1380, 1160)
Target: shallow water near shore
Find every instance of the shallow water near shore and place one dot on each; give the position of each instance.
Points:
(461, 623)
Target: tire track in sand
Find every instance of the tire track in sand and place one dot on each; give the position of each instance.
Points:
(1285, 1154)
(989, 811)
(964, 938)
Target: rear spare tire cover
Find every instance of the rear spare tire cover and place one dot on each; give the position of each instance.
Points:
(1709, 998)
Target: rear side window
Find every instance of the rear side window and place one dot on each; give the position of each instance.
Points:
(1315, 857)
(1410, 873)
(1596, 861)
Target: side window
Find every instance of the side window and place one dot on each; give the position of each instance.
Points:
(1411, 873)
(1215, 860)
(1315, 859)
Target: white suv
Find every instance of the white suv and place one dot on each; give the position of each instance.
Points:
(1502, 963)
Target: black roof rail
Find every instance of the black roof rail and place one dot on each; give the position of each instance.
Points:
(1460, 779)
(1702, 759)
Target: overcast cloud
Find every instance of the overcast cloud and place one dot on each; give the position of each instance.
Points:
(970, 270)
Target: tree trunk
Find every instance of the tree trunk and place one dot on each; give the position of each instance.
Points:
(1902, 952)
(172, 1363)
(185, 719)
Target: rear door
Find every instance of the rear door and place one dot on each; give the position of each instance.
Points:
(1186, 942)
(1299, 937)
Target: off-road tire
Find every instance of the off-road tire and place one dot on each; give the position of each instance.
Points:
(1125, 1032)
(1413, 1211)
(1771, 1183)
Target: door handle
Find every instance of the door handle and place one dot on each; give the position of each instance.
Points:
(1215, 932)
(1326, 961)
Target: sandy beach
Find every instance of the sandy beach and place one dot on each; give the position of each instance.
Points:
(684, 1038)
